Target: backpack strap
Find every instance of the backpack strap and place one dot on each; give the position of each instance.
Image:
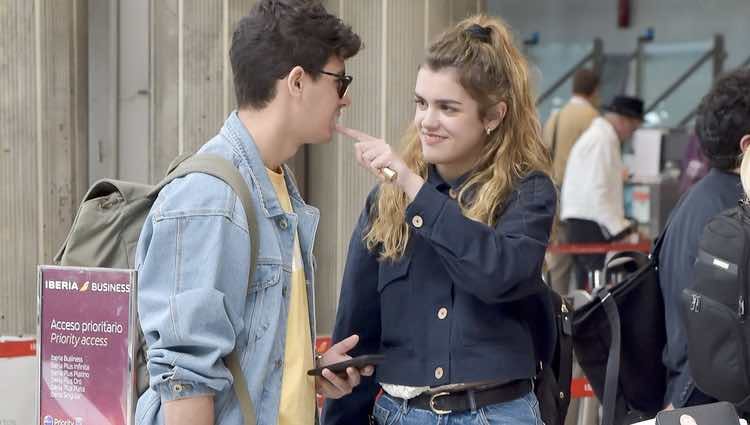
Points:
(177, 161)
(553, 148)
(656, 248)
(224, 170)
(613, 362)
(565, 342)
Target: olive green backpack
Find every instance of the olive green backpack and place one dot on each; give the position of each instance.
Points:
(107, 226)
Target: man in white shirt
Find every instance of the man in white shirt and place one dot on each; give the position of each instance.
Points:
(592, 201)
(560, 133)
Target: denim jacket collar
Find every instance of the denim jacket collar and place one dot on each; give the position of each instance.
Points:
(243, 142)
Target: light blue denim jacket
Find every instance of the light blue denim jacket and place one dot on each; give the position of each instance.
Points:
(194, 303)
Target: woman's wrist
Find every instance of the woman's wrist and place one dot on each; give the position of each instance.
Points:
(410, 183)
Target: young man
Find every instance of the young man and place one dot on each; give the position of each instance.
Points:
(563, 128)
(560, 134)
(723, 128)
(193, 256)
(592, 202)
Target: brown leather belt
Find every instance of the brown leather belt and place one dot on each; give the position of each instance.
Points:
(442, 403)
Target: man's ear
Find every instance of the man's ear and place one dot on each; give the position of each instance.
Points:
(295, 81)
(495, 116)
(745, 143)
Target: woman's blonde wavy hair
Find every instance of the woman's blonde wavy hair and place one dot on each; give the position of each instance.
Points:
(490, 71)
(745, 174)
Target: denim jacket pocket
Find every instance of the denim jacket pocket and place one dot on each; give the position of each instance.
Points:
(265, 275)
(261, 292)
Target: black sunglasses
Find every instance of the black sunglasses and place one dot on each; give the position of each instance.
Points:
(342, 81)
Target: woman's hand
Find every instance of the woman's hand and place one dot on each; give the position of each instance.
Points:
(333, 386)
(375, 154)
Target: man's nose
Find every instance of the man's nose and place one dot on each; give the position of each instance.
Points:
(345, 101)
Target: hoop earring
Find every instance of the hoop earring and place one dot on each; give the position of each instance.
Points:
(489, 130)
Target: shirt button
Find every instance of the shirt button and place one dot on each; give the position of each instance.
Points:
(452, 193)
(438, 373)
(417, 221)
(442, 313)
(282, 223)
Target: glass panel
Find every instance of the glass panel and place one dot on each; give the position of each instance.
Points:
(549, 62)
(662, 69)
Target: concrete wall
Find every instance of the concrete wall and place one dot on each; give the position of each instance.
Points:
(395, 33)
(161, 81)
(43, 156)
(160, 84)
(175, 85)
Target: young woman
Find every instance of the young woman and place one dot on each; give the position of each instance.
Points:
(450, 245)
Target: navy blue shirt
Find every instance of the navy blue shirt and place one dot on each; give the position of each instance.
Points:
(716, 192)
(454, 308)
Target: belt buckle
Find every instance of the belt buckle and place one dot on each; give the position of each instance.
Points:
(435, 409)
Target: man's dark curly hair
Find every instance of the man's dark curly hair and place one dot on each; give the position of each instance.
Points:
(278, 35)
(723, 118)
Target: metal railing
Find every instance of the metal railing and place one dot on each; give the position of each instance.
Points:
(684, 122)
(717, 55)
(596, 55)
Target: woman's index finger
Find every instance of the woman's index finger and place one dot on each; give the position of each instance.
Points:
(354, 134)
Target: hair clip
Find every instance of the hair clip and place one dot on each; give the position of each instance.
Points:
(480, 33)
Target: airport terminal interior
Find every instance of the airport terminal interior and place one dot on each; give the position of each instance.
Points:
(117, 89)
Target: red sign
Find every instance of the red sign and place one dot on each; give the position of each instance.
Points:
(580, 388)
(17, 348)
(85, 345)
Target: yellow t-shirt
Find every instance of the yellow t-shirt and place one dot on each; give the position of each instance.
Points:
(297, 406)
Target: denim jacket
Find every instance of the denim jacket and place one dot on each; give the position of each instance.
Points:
(194, 301)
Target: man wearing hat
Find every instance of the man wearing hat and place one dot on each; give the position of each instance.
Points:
(562, 130)
(591, 199)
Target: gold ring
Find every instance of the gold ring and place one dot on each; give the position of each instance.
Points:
(389, 174)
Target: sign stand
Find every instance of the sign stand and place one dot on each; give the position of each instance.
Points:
(86, 323)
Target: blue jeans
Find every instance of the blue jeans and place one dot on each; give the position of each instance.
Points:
(521, 411)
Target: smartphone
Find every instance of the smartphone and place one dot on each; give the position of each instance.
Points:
(358, 362)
